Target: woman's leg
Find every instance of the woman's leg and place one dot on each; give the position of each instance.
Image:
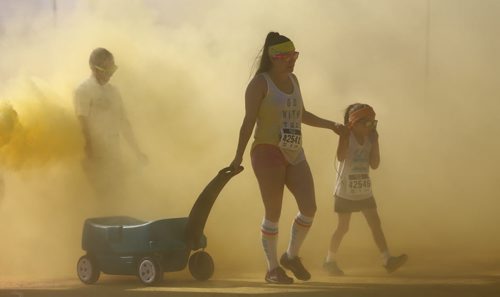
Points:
(300, 182)
(270, 173)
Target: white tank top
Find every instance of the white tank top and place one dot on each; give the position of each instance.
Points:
(279, 121)
(353, 180)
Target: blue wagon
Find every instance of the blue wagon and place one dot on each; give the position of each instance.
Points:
(123, 245)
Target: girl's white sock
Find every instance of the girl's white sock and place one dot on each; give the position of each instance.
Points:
(385, 257)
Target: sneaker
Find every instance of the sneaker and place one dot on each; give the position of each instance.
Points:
(332, 268)
(278, 276)
(295, 265)
(395, 262)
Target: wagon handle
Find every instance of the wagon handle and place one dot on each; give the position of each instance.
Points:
(231, 170)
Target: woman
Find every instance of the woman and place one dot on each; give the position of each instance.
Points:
(273, 101)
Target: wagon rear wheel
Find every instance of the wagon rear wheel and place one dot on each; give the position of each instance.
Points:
(201, 266)
(87, 269)
(149, 271)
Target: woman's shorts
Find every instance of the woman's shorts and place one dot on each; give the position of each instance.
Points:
(267, 155)
(345, 205)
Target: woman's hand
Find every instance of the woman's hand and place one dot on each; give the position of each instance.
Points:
(344, 131)
(236, 162)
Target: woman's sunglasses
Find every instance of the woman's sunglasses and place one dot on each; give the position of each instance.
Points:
(287, 57)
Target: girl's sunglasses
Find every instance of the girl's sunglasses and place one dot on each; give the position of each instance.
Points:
(287, 57)
(371, 123)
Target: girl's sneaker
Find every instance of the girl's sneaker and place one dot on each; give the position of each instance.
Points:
(395, 262)
(295, 265)
(332, 268)
(278, 276)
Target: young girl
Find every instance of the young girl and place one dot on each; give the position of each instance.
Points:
(357, 151)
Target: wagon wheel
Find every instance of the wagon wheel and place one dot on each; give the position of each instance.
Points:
(201, 266)
(149, 271)
(87, 269)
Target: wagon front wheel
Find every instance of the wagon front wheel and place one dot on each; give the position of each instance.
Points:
(87, 269)
(149, 271)
(201, 266)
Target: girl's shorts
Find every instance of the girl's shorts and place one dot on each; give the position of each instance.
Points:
(343, 205)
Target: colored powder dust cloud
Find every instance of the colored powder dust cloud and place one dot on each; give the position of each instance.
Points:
(183, 69)
(35, 130)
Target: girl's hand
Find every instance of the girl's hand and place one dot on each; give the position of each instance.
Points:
(374, 136)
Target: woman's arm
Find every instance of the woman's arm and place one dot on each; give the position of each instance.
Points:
(311, 119)
(254, 94)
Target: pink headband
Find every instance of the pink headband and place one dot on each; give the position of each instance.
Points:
(357, 115)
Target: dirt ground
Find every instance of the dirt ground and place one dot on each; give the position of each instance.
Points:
(361, 283)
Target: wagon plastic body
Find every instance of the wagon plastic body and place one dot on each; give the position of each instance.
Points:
(122, 245)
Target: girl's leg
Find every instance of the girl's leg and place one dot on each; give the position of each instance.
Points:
(338, 235)
(391, 263)
(373, 220)
(330, 263)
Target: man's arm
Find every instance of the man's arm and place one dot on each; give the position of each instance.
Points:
(128, 133)
(84, 124)
(129, 136)
(82, 110)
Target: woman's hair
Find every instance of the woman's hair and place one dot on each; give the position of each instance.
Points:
(99, 55)
(352, 108)
(272, 38)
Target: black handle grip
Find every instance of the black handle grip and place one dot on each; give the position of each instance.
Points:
(231, 170)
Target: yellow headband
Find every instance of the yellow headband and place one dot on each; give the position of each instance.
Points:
(359, 114)
(281, 48)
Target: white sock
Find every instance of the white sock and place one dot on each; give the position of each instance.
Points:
(300, 228)
(385, 257)
(269, 233)
(331, 257)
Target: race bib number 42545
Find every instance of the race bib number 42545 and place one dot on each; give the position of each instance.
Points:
(291, 139)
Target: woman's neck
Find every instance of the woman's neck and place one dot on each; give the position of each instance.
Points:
(278, 76)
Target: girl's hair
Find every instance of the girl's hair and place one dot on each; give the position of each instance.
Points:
(352, 108)
(272, 38)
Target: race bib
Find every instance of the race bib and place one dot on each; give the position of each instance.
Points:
(291, 139)
(359, 184)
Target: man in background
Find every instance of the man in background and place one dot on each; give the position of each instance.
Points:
(99, 108)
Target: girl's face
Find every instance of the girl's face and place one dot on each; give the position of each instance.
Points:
(365, 125)
(285, 62)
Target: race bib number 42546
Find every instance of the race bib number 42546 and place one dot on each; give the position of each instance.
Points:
(359, 184)
(291, 139)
